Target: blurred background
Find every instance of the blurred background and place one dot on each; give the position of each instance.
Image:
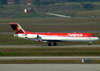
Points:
(39, 8)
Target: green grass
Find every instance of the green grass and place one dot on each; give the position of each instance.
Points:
(89, 13)
(40, 61)
(53, 24)
(50, 51)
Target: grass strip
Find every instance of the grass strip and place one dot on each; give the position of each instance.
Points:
(48, 62)
(49, 51)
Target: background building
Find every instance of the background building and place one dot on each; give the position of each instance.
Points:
(13, 1)
(17, 1)
(10, 1)
(3, 1)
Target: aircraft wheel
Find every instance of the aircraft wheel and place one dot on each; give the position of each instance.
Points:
(49, 44)
(89, 43)
(55, 44)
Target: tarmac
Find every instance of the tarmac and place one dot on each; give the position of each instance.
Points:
(51, 58)
(49, 67)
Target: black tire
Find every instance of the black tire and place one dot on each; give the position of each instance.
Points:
(55, 44)
(90, 43)
(49, 44)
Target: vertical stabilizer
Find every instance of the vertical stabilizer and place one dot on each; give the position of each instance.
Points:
(17, 28)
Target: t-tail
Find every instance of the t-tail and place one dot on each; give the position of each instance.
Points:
(17, 28)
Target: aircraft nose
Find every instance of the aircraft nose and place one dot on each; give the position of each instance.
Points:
(97, 38)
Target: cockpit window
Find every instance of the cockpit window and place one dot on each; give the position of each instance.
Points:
(92, 36)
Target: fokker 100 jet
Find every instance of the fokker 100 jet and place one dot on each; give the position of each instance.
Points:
(52, 37)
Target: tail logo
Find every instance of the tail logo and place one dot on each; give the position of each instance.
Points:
(16, 28)
(15, 31)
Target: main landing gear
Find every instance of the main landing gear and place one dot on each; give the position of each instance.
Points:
(49, 44)
(89, 43)
(54, 44)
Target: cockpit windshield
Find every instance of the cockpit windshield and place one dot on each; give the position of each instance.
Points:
(92, 35)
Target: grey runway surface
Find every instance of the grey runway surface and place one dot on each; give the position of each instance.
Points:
(32, 46)
(49, 67)
(51, 58)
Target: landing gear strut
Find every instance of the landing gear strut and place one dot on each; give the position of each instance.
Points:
(89, 43)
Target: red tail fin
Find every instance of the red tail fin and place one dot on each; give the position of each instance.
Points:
(17, 28)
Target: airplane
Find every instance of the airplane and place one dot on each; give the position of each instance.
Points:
(52, 37)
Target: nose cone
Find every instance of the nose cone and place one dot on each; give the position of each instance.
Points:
(94, 38)
(97, 38)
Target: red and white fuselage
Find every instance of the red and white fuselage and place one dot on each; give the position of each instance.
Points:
(52, 37)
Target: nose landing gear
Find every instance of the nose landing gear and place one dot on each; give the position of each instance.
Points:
(89, 43)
